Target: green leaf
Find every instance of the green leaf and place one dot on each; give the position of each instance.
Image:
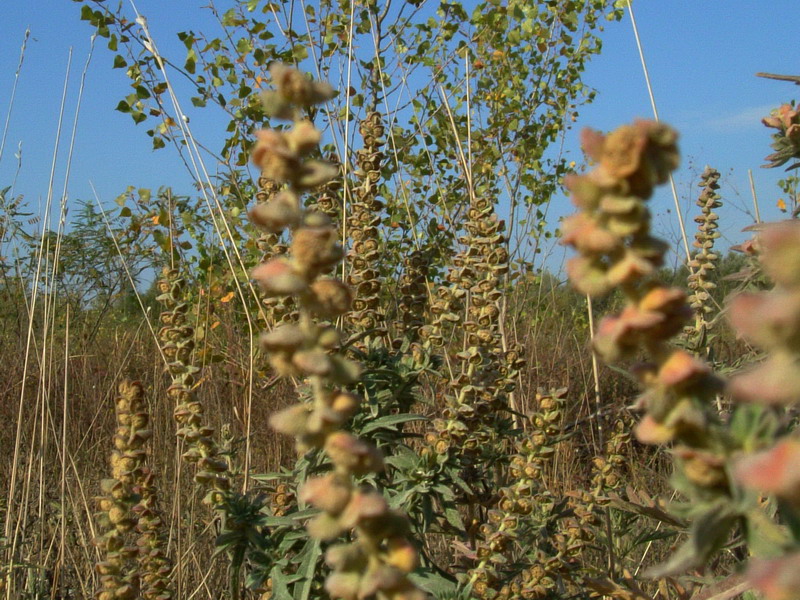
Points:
(280, 588)
(119, 62)
(454, 518)
(191, 62)
(308, 558)
(708, 533)
(434, 583)
(244, 47)
(765, 538)
(390, 421)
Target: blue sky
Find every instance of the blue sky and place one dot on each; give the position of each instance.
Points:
(702, 57)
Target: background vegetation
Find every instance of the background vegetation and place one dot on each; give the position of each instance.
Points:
(505, 443)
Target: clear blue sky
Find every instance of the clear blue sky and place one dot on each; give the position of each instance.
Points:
(702, 58)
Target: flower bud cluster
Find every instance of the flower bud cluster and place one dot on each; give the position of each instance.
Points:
(786, 142)
(413, 289)
(771, 321)
(479, 392)
(363, 224)
(703, 263)
(119, 577)
(282, 499)
(377, 563)
(558, 558)
(616, 249)
(612, 230)
(329, 195)
(609, 469)
(177, 343)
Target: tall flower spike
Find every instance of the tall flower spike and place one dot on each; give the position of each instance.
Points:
(772, 322)
(413, 290)
(467, 437)
(612, 236)
(119, 576)
(363, 223)
(612, 230)
(155, 565)
(269, 241)
(177, 343)
(377, 563)
(524, 504)
(704, 261)
(479, 391)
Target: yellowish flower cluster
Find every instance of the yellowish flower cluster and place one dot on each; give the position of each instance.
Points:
(270, 246)
(525, 496)
(413, 288)
(771, 321)
(612, 230)
(155, 565)
(120, 576)
(479, 390)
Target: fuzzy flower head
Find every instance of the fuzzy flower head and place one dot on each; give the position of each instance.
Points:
(612, 230)
(786, 142)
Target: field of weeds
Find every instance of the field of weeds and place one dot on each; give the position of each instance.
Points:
(347, 364)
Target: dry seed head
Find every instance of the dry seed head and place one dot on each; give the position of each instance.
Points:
(351, 454)
(296, 88)
(284, 338)
(273, 155)
(330, 493)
